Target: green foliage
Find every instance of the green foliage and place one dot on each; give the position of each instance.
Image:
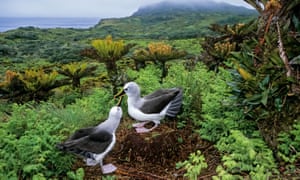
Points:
(176, 23)
(29, 137)
(109, 50)
(264, 84)
(32, 84)
(77, 71)
(148, 77)
(28, 141)
(159, 53)
(190, 82)
(193, 165)
(289, 146)
(78, 175)
(109, 177)
(218, 113)
(86, 111)
(243, 154)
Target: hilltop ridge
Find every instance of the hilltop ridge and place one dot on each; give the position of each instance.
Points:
(194, 6)
(168, 20)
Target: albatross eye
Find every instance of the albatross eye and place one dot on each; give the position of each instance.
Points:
(126, 89)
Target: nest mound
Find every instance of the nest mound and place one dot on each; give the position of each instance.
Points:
(154, 155)
(157, 148)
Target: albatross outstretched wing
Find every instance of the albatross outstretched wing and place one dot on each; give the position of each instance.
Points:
(158, 100)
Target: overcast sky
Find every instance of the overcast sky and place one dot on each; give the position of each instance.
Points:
(81, 8)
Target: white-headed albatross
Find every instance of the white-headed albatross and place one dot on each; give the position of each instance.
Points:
(152, 107)
(94, 143)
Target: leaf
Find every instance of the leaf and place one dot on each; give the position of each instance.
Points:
(264, 99)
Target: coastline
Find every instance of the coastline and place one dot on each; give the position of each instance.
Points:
(11, 23)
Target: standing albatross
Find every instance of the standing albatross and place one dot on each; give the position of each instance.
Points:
(94, 143)
(152, 107)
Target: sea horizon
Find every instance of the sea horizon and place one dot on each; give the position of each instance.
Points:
(11, 23)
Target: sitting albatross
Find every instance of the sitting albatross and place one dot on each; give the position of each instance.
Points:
(152, 107)
(94, 143)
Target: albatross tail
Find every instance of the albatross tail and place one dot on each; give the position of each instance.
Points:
(175, 104)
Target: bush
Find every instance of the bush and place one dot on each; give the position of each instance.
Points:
(242, 154)
(28, 141)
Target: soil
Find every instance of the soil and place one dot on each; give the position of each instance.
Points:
(154, 155)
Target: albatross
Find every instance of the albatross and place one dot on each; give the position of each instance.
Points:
(153, 107)
(94, 143)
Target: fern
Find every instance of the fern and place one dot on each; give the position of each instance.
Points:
(28, 144)
(194, 165)
(242, 154)
(289, 146)
(28, 139)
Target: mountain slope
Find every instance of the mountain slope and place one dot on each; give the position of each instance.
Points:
(174, 20)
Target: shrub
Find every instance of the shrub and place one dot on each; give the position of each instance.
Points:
(242, 154)
(28, 142)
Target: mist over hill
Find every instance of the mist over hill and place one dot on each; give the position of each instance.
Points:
(169, 20)
(196, 6)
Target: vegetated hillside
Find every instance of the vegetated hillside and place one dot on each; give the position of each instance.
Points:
(168, 20)
(158, 21)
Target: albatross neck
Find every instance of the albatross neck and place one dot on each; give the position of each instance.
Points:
(110, 125)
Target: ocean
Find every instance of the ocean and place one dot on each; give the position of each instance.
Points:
(9, 23)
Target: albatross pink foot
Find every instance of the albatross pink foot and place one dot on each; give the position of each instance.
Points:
(108, 168)
(144, 130)
(139, 125)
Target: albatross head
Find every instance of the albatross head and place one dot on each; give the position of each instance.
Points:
(131, 89)
(116, 112)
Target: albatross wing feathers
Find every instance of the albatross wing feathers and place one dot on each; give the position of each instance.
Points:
(158, 100)
(96, 142)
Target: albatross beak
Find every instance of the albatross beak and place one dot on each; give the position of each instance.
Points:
(120, 101)
(121, 95)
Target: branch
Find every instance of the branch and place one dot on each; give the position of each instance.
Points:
(282, 53)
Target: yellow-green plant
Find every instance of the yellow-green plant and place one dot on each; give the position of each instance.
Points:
(109, 51)
(159, 53)
(31, 84)
(76, 71)
(35, 80)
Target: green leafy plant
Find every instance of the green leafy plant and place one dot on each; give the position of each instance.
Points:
(243, 154)
(159, 53)
(194, 165)
(77, 71)
(77, 175)
(108, 51)
(28, 141)
(29, 136)
(32, 84)
(289, 147)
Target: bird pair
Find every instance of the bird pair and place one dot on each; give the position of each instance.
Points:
(94, 143)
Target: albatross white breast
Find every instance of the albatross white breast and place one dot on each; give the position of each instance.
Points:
(94, 143)
(152, 107)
